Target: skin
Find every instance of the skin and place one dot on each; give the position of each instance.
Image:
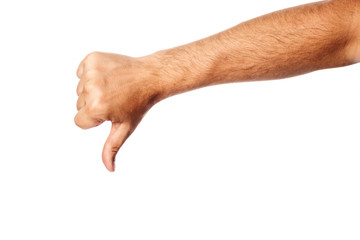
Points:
(290, 42)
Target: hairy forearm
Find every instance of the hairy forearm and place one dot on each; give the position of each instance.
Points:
(278, 45)
(290, 42)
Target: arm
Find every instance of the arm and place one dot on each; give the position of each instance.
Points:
(282, 44)
(278, 45)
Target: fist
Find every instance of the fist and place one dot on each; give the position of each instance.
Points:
(114, 88)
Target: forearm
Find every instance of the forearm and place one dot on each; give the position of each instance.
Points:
(122, 89)
(278, 45)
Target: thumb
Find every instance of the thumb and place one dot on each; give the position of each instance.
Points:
(118, 134)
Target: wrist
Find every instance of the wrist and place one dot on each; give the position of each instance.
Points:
(179, 70)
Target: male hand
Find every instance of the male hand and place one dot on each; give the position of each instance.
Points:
(114, 88)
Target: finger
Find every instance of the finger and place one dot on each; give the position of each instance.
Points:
(84, 121)
(118, 134)
(88, 76)
(80, 69)
(88, 62)
(80, 87)
(80, 102)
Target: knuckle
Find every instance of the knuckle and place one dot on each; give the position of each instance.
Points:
(115, 149)
(79, 89)
(89, 86)
(79, 104)
(92, 57)
(90, 74)
(79, 71)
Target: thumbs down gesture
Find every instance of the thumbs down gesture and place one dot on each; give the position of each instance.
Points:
(115, 88)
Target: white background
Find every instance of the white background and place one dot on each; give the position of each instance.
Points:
(264, 160)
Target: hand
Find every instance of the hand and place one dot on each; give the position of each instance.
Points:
(114, 88)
